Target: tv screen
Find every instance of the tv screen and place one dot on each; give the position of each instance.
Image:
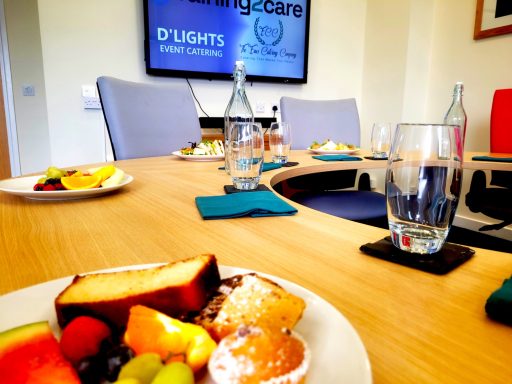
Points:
(204, 38)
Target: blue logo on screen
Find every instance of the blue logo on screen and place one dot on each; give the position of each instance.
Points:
(264, 33)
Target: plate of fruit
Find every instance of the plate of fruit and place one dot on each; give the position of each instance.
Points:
(206, 150)
(185, 322)
(62, 184)
(329, 147)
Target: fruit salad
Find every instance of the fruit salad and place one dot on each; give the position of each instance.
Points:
(205, 147)
(329, 145)
(57, 179)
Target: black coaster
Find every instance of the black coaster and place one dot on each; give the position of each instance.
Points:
(290, 164)
(230, 189)
(375, 158)
(440, 263)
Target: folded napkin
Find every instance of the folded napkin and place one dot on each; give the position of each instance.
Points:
(337, 158)
(254, 204)
(266, 166)
(270, 166)
(491, 158)
(499, 304)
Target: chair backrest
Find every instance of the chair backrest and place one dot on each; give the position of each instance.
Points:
(145, 120)
(320, 120)
(501, 121)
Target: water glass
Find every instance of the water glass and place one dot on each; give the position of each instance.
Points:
(280, 139)
(245, 154)
(381, 140)
(423, 182)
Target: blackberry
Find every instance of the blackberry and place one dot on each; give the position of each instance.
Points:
(52, 181)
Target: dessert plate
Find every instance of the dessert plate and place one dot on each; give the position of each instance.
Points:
(23, 186)
(333, 151)
(338, 354)
(198, 157)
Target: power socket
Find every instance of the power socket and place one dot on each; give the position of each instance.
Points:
(260, 107)
(91, 102)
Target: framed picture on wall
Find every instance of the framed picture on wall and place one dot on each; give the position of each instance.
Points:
(493, 17)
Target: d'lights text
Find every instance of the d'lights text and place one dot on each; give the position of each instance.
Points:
(210, 41)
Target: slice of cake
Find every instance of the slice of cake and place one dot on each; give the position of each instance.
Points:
(249, 300)
(174, 289)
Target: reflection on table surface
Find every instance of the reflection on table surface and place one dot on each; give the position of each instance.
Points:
(417, 327)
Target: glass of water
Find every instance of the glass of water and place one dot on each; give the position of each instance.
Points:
(280, 140)
(423, 182)
(381, 140)
(245, 154)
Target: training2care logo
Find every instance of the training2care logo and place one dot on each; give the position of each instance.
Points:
(268, 32)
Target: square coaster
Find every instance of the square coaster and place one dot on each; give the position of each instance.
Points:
(439, 263)
(375, 158)
(290, 164)
(231, 189)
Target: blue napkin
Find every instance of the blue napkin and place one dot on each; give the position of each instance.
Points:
(266, 166)
(337, 158)
(499, 304)
(490, 158)
(254, 204)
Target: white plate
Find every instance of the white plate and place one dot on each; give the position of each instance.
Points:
(334, 152)
(198, 157)
(338, 354)
(24, 186)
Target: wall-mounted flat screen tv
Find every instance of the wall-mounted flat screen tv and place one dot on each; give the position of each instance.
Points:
(204, 38)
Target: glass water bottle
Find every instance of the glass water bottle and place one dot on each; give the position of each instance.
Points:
(238, 108)
(456, 114)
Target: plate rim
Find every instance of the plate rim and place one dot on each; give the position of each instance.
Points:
(225, 270)
(198, 157)
(67, 194)
(334, 152)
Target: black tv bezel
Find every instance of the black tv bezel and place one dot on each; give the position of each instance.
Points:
(220, 75)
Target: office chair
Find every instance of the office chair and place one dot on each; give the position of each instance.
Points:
(495, 201)
(337, 120)
(145, 120)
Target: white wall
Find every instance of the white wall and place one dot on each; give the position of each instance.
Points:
(484, 65)
(398, 58)
(22, 25)
(84, 39)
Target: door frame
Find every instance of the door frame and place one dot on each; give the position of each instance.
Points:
(10, 117)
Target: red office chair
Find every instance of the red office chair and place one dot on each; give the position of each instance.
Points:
(495, 201)
(501, 121)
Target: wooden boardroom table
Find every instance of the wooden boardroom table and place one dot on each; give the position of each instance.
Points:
(417, 327)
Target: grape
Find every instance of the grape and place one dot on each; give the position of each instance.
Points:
(55, 173)
(143, 367)
(116, 358)
(127, 381)
(176, 373)
(90, 369)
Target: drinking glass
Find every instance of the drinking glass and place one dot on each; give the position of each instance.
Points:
(381, 140)
(245, 154)
(280, 140)
(423, 182)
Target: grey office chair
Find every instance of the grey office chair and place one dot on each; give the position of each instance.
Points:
(337, 120)
(145, 120)
(319, 120)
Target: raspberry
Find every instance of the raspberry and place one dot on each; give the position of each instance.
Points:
(82, 338)
(59, 187)
(49, 187)
(38, 187)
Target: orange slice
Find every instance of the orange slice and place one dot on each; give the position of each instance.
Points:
(81, 182)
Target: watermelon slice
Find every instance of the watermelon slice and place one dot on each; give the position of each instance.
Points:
(31, 354)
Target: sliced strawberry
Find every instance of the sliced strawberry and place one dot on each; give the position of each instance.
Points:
(82, 338)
